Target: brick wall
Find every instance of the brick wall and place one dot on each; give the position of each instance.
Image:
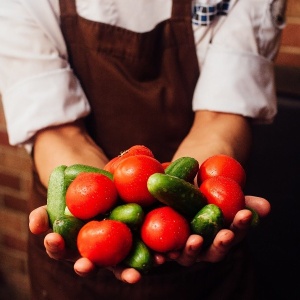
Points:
(289, 54)
(15, 181)
(14, 191)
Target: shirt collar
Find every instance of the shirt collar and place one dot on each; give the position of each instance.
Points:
(205, 11)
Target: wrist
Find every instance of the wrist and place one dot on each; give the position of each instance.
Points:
(65, 145)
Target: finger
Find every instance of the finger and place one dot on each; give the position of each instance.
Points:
(241, 221)
(129, 275)
(191, 251)
(174, 255)
(259, 204)
(84, 267)
(55, 246)
(159, 259)
(241, 225)
(38, 220)
(220, 247)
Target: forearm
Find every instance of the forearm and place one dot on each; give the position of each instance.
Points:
(214, 133)
(65, 145)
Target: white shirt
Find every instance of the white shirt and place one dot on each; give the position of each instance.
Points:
(39, 89)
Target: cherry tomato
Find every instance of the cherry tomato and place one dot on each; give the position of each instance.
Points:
(165, 164)
(111, 165)
(164, 230)
(137, 150)
(221, 165)
(226, 193)
(131, 177)
(105, 243)
(134, 150)
(90, 194)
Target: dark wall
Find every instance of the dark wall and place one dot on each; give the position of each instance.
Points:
(274, 172)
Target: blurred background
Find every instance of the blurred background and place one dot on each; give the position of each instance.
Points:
(273, 172)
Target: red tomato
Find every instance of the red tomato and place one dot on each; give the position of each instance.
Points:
(105, 243)
(164, 230)
(131, 177)
(165, 164)
(137, 150)
(111, 165)
(226, 193)
(90, 194)
(134, 150)
(222, 165)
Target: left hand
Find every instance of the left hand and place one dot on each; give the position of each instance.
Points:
(225, 239)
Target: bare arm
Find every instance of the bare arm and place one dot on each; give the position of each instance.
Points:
(216, 133)
(65, 145)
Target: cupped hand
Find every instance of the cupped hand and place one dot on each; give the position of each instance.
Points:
(55, 248)
(225, 239)
(193, 252)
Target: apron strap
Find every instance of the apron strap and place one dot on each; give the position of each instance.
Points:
(181, 9)
(67, 8)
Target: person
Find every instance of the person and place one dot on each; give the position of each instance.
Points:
(83, 80)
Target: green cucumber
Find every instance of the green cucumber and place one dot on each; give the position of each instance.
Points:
(184, 167)
(56, 202)
(72, 171)
(131, 214)
(140, 257)
(68, 227)
(181, 195)
(208, 222)
(255, 217)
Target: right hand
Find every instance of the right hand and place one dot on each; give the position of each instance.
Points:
(55, 248)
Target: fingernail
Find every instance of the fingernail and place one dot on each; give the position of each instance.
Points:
(193, 248)
(53, 247)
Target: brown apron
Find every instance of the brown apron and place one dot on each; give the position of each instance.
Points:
(140, 87)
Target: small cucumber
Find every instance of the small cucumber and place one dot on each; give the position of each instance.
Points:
(68, 227)
(56, 192)
(140, 257)
(255, 217)
(181, 195)
(208, 222)
(131, 214)
(184, 167)
(72, 171)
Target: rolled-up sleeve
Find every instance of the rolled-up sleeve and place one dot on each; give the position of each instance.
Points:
(46, 100)
(237, 72)
(37, 85)
(237, 83)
